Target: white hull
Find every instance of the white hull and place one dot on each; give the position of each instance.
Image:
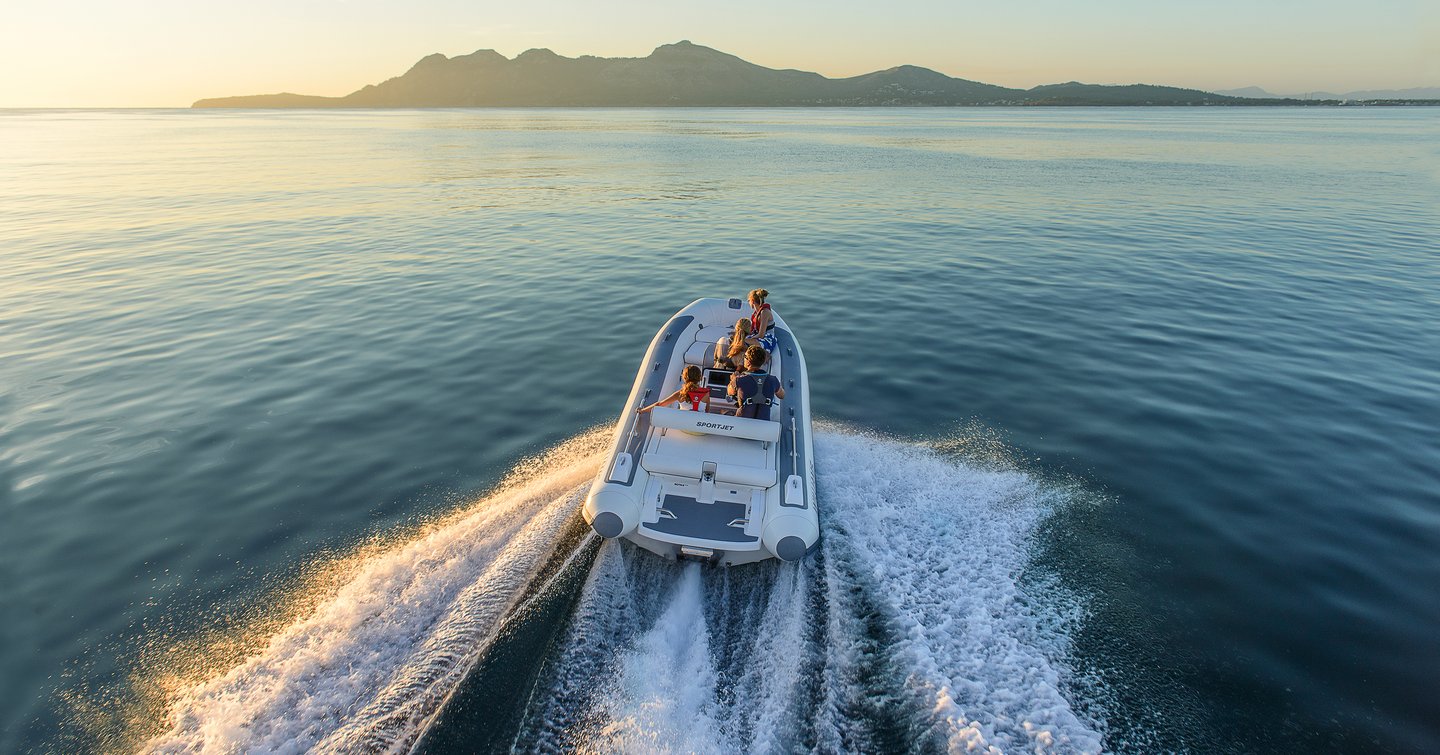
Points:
(711, 486)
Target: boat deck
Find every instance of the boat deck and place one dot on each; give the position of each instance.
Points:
(722, 521)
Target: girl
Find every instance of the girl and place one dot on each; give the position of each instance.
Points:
(734, 356)
(690, 390)
(762, 323)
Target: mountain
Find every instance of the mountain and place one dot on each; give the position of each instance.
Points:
(1255, 92)
(1075, 93)
(1417, 93)
(687, 74)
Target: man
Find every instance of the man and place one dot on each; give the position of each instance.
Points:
(757, 389)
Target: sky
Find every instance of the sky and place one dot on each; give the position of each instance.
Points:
(168, 53)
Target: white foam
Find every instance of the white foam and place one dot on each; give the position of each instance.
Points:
(664, 697)
(602, 627)
(764, 706)
(928, 640)
(941, 545)
(909, 627)
(370, 664)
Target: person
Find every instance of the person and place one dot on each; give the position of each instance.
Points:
(757, 389)
(690, 390)
(762, 322)
(733, 357)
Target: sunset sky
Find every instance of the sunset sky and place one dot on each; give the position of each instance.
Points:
(160, 53)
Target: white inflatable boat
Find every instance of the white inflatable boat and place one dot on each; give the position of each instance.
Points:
(710, 485)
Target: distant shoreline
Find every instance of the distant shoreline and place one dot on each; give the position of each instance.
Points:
(997, 106)
(685, 74)
(360, 108)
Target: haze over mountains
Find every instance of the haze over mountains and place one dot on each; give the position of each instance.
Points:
(687, 74)
(1417, 93)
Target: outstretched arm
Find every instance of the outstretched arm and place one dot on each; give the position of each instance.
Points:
(672, 397)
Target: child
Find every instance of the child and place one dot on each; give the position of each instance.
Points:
(734, 356)
(690, 390)
(762, 322)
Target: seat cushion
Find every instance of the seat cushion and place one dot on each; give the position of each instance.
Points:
(680, 466)
(715, 424)
(691, 467)
(742, 475)
(702, 354)
(713, 334)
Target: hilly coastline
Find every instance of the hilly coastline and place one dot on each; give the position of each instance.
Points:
(690, 75)
(1413, 94)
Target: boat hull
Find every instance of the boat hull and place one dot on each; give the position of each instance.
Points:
(709, 485)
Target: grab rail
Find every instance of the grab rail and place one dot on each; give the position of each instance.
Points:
(794, 446)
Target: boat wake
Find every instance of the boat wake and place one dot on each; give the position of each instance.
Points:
(910, 629)
(373, 662)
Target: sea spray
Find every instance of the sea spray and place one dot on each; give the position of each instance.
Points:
(565, 706)
(663, 699)
(910, 628)
(941, 546)
(766, 698)
(369, 665)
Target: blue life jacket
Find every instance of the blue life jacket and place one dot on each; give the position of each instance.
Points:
(755, 392)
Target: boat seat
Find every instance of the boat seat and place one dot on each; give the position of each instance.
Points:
(693, 467)
(710, 424)
(713, 334)
(699, 353)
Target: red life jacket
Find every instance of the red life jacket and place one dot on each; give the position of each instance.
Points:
(755, 320)
(695, 397)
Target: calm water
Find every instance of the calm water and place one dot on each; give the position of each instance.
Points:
(1131, 428)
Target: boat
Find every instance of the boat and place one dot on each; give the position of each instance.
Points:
(709, 485)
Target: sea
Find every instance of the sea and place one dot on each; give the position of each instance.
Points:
(1126, 430)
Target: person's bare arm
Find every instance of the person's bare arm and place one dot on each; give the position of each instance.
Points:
(672, 397)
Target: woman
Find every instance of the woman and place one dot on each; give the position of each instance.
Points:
(690, 390)
(762, 322)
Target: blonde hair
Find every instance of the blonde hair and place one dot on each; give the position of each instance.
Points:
(737, 341)
(690, 378)
(759, 295)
